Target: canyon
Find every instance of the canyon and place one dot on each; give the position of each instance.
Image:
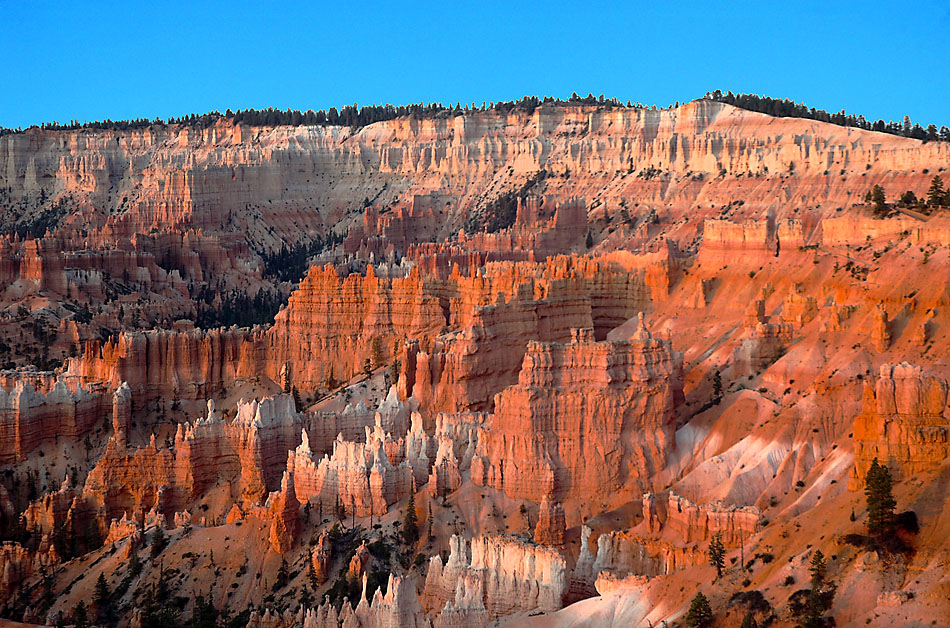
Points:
(491, 367)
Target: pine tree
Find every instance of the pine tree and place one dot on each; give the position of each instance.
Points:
(700, 614)
(410, 523)
(717, 554)
(908, 199)
(283, 575)
(879, 199)
(80, 615)
(204, 614)
(100, 598)
(135, 564)
(819, 600)
(880, 501)
(158, 541)
(936, 195)
(817, 569)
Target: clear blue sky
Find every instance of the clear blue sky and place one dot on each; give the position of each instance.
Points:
(62, 61)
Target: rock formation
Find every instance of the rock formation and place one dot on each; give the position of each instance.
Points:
(30, 419)
(611, 401)
(505, 370)
(551, 525)
(282, 507)
(903, 423)
(508, 575)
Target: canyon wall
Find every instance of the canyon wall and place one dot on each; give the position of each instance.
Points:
(267, 182)
(903, 423)
(508, 575)
(612, 401)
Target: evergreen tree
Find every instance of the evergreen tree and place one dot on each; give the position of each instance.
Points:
(717, 554)
(880, 501)
(298, 402)
(158, 541)
(936, 195)
(908, 199)
(80, 615)
(700, 614)
(204, 614)
(817, 569)
(100, 598)
(410, 523)
(879, 199)
(162, 590)
(135, 564)
(820, 595)
(283, 575)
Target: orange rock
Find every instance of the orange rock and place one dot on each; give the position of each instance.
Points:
(551, 526)
(902, 423)
(587, 400)
(320, 557)
(359, 563)
(283, 509)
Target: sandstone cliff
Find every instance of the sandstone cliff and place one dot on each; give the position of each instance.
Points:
(611, 402)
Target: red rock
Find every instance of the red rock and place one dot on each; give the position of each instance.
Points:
(29, 419)
(551, 524)
(320, 557)
(283, 508)
(609, 401)
(903, 423)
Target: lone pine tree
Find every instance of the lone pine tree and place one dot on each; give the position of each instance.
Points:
(717, 554)
(880, 501)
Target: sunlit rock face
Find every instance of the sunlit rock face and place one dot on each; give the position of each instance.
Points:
(585, 400)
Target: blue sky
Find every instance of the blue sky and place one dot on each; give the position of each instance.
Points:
(63, 61)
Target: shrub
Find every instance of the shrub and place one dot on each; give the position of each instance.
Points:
(907, 522)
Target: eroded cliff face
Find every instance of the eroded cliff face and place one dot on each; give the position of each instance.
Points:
(31, 418)
(272, 182)
(903, 423)
(496, 575)
(587, 400)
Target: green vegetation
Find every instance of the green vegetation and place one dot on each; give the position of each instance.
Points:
(223, 308)
(410, 522)
(879, 200)
(292, 263)
(717, 554)
(880, 501)
(810, 605)
(937, 196)
(157, 542)
(700, 614)
(80, 615)
(347, 115)
(356, 116)
(502, 212)
(785, 108)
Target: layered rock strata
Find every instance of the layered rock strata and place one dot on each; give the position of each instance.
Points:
(507, 574)
(586, 400)
(903, 423)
